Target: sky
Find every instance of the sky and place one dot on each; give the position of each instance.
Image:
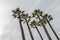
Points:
(9, 27)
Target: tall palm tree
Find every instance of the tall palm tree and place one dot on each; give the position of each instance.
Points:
(34, 24)
(26, 19)
(37, 15)
(16, 14)
(48, 18)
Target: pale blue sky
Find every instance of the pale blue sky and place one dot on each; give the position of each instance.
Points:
(9, 27)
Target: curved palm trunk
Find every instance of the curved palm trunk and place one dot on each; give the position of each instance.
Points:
(29, 30)
(39, 33)
(45, 30)
(53, 30)
(21, 27)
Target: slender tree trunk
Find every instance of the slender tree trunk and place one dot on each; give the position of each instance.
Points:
(29, 30)
(39, 33)
(45, 30)
(53, 30)
(21, 27)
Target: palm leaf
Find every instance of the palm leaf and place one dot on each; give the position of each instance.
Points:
(23, 11)
(14, 11)
(14, 15)
(51, 18)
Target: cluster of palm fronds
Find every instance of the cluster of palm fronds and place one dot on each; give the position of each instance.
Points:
(43, 19)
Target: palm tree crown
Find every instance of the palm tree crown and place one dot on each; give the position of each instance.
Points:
(37, 14)
(17, 14)
(34, 24)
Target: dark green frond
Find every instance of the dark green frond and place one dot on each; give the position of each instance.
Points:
(14, 11)
(38, 24)
(23, 11)
(51, 18)
(29, 16)
(23, 14)
(46, 15)
(18, 11)
(26, 15)
(29, 20)
(34, 22)
(40, 13)
(36, 11)
(34, 14)
(42, 21)
(14, 15)
(31, 24)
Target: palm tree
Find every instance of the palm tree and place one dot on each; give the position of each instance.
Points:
(34, 24)
(16, 14)
(48, 18)
(26, 19)
(37, 15)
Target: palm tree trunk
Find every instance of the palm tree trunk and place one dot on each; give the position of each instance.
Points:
(45, 30)
(53, 30)
(21, 27)
(39, 33)
(29, 30)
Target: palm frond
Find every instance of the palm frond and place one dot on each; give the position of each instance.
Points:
(40, 13)
(14, 15)
(51, 18)
(29, 16)
(14, 11)
(29, 20)
(23, 11)
(36, 11)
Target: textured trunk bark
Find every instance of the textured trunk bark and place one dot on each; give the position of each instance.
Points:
(39, 33)
(21, 27)
(53, 30)
(29, 30)
(45, 30)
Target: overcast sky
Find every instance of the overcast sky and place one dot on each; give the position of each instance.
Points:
(9, 27)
